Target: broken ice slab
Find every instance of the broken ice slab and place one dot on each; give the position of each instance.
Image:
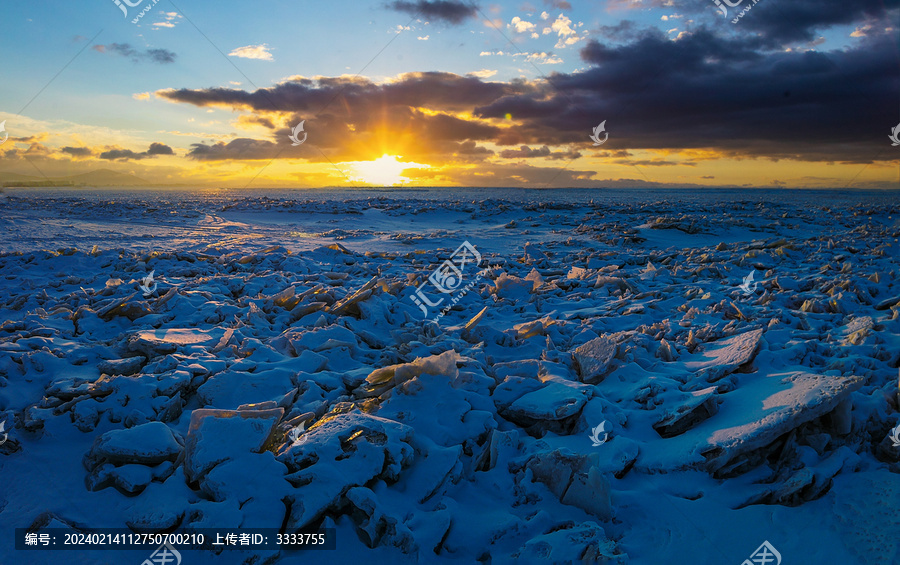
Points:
(165, 341)
(582, 543)
(717, 359)
(553, 401)
(229, 389)
(216, 436)
(344, 450)
(699, 406)
(146, 444)
(857, 330)
(123, 307)
(383, 379)
(764, 408)
(887, 303)
(127, 366)
(593, 359)
(574, 479)
(130, 459)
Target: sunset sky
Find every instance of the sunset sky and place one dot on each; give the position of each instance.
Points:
(797, 93)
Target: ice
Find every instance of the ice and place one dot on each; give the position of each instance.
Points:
(718, 358)
(281, 376)
(593, 359)
(698, 406)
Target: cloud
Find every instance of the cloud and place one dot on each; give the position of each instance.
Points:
(483, 73)
(798, 21)
(625, 30)
(78, 151)
(525, 152)
(520, 25)
(723, 93)
(445, 11)
(239, 149)
(803, 20)
(169, 19)
(558, 4)
(160, 149)
(563, 28)
(702, 97)
(541, 58)
(260, 52)
(128, 155)
(161, 56)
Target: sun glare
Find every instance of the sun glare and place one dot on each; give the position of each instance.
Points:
(384, 171)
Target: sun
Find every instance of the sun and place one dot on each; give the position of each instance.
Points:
(384, 171)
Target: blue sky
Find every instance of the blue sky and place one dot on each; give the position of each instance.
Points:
(106, 95)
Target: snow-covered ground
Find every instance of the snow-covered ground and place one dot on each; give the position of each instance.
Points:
(614, 386)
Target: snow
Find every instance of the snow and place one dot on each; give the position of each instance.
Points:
(281, 376)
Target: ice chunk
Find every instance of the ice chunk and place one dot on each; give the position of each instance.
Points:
(343, 450)
(216, 436)
(699, 406)
(554, 401)
(593, 359)
(127, 366)
(581, 543)
(385, 378)
(164, 341)
(766, 407)
(563, 470)
(147, 444)
(719, 358)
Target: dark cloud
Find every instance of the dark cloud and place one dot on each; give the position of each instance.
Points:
(356, 95)
(449, 12)
(625, 30)
(731, 94)
(526, 152)
(77, 151)
(161, 56)
(558, 4)
(470, 151)
(241, 148)
(781, 22)
(159, 149)
(127, 154)
(124, 154)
